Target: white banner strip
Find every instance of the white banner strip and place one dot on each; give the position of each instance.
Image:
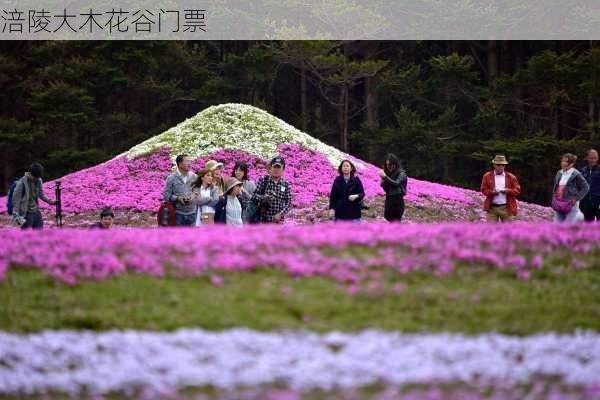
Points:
(300, 19)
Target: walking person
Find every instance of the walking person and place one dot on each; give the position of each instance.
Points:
(229, 209)
(205, 196)
(28, 190)
(569, 188)
(590, 204)
(240, 172)
(273, 194)
(500, 189)
(178, 190)
(346, 194)
(393, 182)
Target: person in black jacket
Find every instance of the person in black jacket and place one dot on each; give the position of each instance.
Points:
(393, 182)
(346, 194)
(590, 204)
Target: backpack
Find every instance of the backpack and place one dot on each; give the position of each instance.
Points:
(9, 200)
(166, 214)
(252, 213)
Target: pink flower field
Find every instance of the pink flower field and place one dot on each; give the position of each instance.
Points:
(136, 185)
(376, 254)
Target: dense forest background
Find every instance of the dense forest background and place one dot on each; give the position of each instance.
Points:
(445, 107)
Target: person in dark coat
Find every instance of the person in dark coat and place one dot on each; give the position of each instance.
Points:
(26, 212)
(346, 195)
(393, 182)
(590, 204)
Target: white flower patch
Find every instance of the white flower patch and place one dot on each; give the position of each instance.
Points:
(234, 126)
(70, 361)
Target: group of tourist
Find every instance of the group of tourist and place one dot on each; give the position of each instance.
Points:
(575, 194)
(207, 197)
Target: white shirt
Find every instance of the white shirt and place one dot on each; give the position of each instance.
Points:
(500, 184)
(204, 194)
(564, 178)
(233, 212)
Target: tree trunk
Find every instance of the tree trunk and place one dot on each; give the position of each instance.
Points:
(555, 126)
(592, 100)
(344, 118)
(371, 49)
(303, 99)
(371, 102)
(519, 60)
(492, 60)
(8, 172)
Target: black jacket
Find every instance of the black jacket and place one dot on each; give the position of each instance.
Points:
(395, 183)
(338, 198)
(592, 176)
(221, 209)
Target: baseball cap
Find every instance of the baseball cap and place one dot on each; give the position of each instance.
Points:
(277, 161)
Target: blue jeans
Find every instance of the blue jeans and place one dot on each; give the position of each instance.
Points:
(185, 219)
(33, 220)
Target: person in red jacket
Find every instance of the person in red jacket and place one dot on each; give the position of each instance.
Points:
(500, 189)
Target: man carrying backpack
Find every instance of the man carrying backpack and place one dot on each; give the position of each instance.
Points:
(26, 212)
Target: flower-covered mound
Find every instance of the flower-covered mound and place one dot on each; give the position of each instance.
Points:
(347, 253)
(135, 180)
(71, 362)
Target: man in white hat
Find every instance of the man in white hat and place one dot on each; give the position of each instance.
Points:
(500, 189)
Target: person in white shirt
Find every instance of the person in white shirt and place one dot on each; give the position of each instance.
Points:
(240, 172)
(500, 189)
(205, 197)
(229, 210)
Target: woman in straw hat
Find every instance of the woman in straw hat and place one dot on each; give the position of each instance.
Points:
(216, 168)
(230, 209)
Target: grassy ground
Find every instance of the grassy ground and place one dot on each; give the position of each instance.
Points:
(377, 391)
(472, 300)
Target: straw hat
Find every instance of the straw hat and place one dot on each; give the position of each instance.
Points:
(211, 165)
(499, 159)
(231, 183)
